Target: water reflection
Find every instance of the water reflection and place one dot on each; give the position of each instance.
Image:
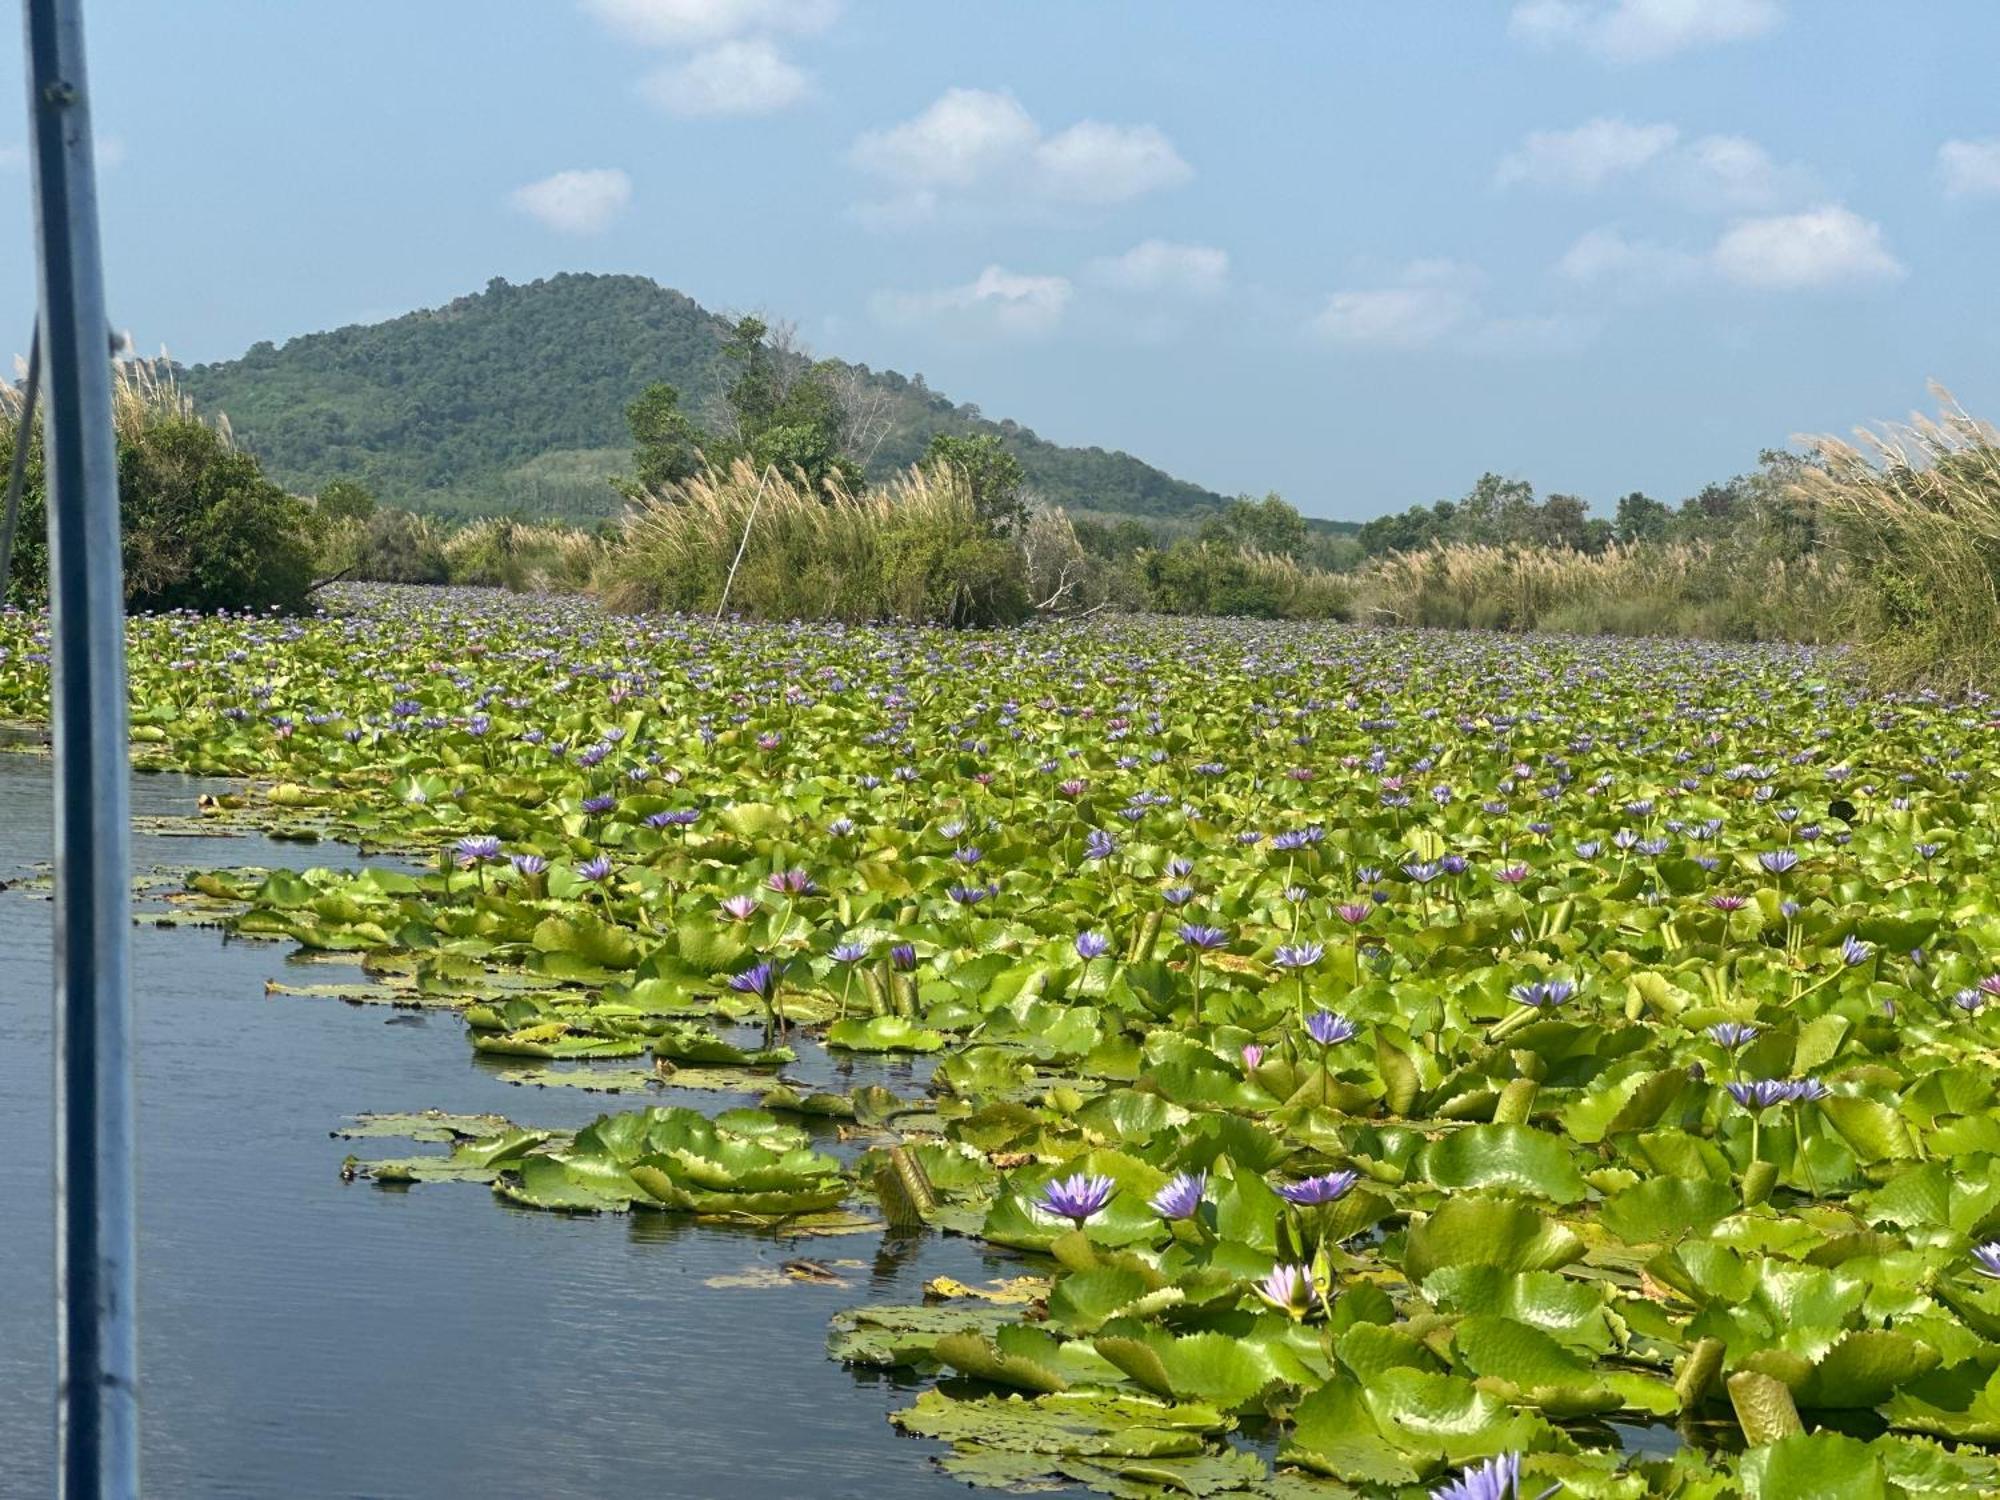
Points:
(311, 1338)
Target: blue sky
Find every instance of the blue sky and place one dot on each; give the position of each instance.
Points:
(1355, 252)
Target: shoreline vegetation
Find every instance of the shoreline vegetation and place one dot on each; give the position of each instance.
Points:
(1889, 543)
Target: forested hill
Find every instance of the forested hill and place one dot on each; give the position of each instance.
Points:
(514, 399)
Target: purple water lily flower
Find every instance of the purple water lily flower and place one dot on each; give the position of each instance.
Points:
(1181, 1197)
(1988, 1258)
(903, 957)
(1078, 1199)
(1091, 945)
(1299, 955)
(760, 979)
(1778, 861)
(1759, 1094)
(603, 802)
(1496, 1479)
(1329, 1029)
(1854, 951)
(1099, 844)
(739, 908)
(849, 952)
(1543, 994)
(1201, 937)
(529, 864)
(597, 867)
(477, 848)
(1253, 1057)
(1327, 1187)
(1288, 1288)
(1733, 1034)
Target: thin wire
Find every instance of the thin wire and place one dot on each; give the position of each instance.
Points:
(23, 440)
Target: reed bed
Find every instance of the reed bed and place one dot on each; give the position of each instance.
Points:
(1914, 509)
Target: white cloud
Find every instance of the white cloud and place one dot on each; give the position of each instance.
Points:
(1429, 300)
(1822, 247)
(983, 142)
(1712, 172)
(1586, 157)
(1628, 31)
(584, 201)
(1606, 258)
(1970, 169)
(966, 135)
(695, 23)
(998, 302)
(1731, 171)
(1092, 162)
(748, 77)
(1162, 266)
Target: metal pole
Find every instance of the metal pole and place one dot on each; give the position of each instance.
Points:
(97, 1409)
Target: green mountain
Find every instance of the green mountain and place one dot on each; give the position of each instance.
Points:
(514, 399)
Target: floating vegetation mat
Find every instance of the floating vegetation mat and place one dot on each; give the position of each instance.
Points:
(1400, 1064)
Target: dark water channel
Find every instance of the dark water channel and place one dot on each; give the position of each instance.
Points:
(304, 1337)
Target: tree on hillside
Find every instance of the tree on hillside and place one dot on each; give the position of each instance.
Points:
(344, 500)
(783, 409)
(666, 445)
(992, 474)
(1272, 524)
(1640, 518)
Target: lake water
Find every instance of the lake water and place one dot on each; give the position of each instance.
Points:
(304, 1337)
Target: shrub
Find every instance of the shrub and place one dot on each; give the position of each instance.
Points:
(202, 527)
(1744, 593)
(1213, 578)
(912, 549)
(1914, 510)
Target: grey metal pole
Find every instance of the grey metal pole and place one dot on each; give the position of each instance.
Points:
(97, 1408)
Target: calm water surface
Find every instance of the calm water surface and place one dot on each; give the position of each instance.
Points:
(304, 1337)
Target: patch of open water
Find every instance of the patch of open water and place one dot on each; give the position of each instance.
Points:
(314, 1339)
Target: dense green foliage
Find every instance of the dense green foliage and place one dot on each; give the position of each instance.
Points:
(515, 399)
(202, 527)
(1499, 512)
(1371, 1055)
(992, 476)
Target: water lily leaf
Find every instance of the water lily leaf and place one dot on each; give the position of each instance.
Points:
(543, 1182)
(1662, 1209)
(1015, 1355)
(1212, 1368)
(1635, 1102)
(1961, 1402)
(752, 820)
(1073, 1424)
(588, 939)
(1814, 1466)
(1516, 1157)
(1872, 1130)
(882, 1034)
(1334, 1432)
(884, 1337)
(1471, 1230)
(1569, 1311)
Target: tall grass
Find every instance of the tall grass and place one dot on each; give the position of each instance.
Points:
(1677, 589)
(1915, 513)
(910, 549)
